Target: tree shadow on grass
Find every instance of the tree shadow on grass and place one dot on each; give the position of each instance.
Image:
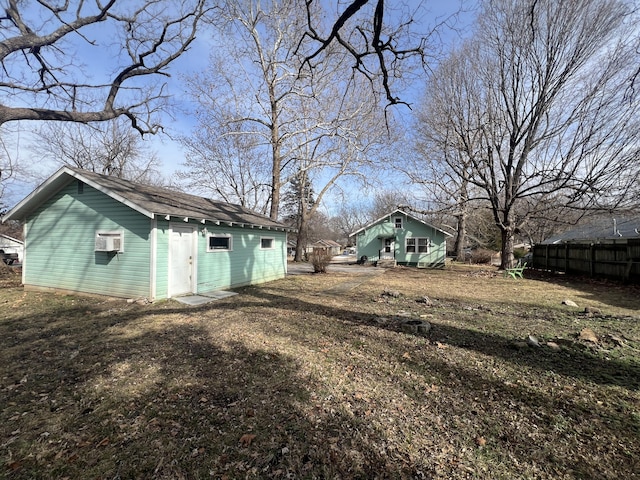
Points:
(573, 363)
(89, 395)
(103, 397)
(536, 418)
(608, 292)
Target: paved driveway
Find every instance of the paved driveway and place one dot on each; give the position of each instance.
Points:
(339, 264)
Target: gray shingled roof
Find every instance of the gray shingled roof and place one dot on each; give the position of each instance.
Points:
(153, 201)
(602, 229)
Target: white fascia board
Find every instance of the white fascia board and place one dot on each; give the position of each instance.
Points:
(395, 212)
(54, 184)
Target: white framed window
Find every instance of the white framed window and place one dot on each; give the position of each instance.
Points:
(109, 241)
(397, 222)
(267, 243)
(219, 242)
(417, 245)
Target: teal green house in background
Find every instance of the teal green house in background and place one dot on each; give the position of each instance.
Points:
(91, 233)
(401, 239)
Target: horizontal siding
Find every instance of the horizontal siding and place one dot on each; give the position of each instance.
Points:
(162, 261)
(247, 264)
(60, 243)
(369, 244)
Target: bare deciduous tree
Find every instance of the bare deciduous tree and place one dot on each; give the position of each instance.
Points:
(244, 97)
(44, 44)
(340, 135)
(224, 164)
(381, 38)
(109, 148)
(535, 104)
(301, 125)
(7, 168)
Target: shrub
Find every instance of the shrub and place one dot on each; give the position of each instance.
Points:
(481, 255)
(518, 253)
(320, 258)
(5, 270)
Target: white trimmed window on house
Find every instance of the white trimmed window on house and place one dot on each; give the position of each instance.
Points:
(417, 245)
(397, 222)
(219, 243)
(267, 243)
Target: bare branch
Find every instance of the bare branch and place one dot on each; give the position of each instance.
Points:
(152, 38)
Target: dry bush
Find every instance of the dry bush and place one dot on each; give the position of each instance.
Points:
(5, 270)
(320, 259)
(481, 256)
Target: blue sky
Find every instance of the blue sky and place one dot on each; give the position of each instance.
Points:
(180, 122)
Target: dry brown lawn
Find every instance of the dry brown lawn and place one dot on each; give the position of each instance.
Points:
(287, 381)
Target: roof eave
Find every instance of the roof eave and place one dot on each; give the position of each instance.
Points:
(217, 222)
(397, 210)
(54, 184)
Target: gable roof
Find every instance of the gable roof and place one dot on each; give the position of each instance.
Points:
(326, 243)
(153, 202)
(14, 240)
(401, 212)
(601, 229)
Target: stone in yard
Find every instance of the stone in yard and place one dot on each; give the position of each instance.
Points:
(410, 326)
(424, 328)
(569, 303)
(532, 341)
(588, 335)
(591, 311)
(426, 300)
(553, 346)
(391, 293)
(416, 326)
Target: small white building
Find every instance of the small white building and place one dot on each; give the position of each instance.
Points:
(12, 245)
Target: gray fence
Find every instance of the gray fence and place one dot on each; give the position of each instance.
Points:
(616, 259)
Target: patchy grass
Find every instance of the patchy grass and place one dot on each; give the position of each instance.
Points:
(285, 381)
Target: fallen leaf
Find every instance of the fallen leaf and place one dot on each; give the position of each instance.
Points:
(246, 439)
(104, 442)
(588, 335)
(432, 388)
(481, 441)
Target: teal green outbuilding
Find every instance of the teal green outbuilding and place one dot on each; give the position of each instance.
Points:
(92, 233)
(402, 239)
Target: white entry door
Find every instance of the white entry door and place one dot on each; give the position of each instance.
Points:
(181, 260)
(388, 248)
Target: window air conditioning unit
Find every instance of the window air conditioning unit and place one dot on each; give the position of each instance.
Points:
(108, 243)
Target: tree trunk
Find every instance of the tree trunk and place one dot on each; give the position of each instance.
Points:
(460, 238)
(507, 260)
(276, 164)
(302, 237)
(275, 174)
